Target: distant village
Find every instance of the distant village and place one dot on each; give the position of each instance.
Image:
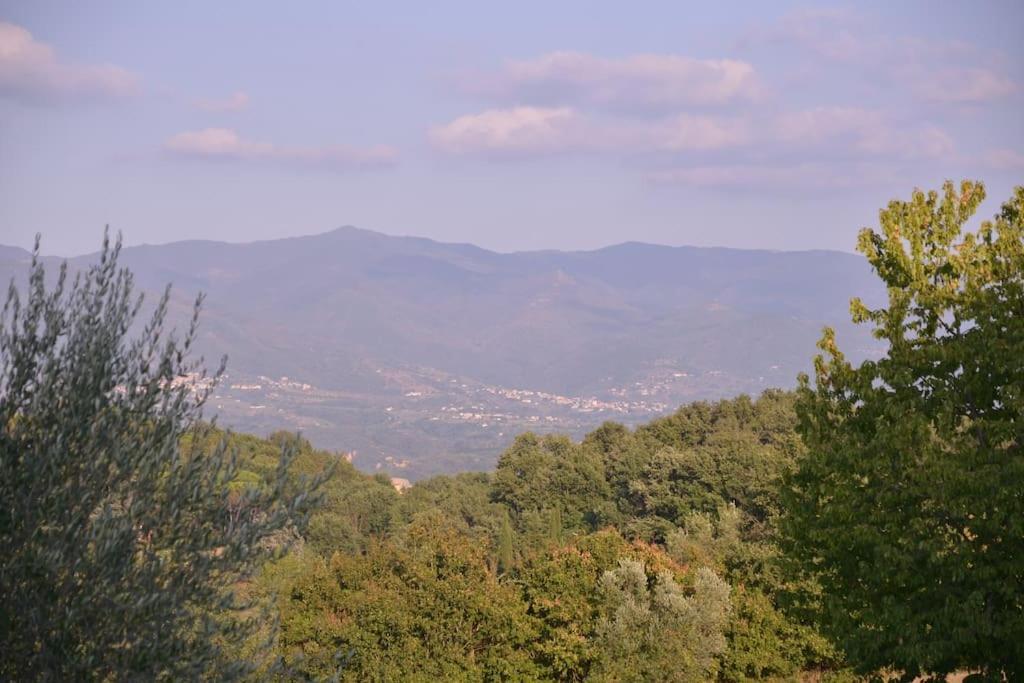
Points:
(409, 400)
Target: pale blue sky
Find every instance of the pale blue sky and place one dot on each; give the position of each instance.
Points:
(519, 126)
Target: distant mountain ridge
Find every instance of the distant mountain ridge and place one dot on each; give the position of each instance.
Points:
(404, 336)
(13, 254)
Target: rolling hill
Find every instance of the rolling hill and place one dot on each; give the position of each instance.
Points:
(422, 357)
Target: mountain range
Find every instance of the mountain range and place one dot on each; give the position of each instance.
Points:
(417, 357)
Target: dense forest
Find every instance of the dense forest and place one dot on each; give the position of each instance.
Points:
(634, 555)
(868, 524)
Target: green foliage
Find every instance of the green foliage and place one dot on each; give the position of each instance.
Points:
(122, 539)
(763, 642)
(506, 550)
(551, 474)
(708, 455)
(367, 611)
(465, 499)
(356, 511)
(423, 607)
(908, 508)
(530, 534)
(651, 630)
(559, 588)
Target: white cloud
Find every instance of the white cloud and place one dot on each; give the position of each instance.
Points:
(823, 123)
(929, 142)
(646, 81)
(863, 131)
(688, 132)
(823, 131)
(970, 85)
(226, 144)
(527, 131)
(521, 130)
(31, 71)
(1005, 159)
(216, 143)
(824, 148)
(236, 101)
(706, 122)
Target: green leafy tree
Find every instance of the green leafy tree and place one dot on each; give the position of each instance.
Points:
(121, 545)
(422, 607)
(553, 476)
(908, 509)
(506, 550)
(707, 455)
(560, 589)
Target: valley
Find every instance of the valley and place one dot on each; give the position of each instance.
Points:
(418, 357)
(429, 422)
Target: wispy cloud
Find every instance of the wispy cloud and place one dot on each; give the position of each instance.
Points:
(645, 81)
(236, 101)
(965, 85)
(845, 35)
(707, 116)
(517, 131)
(1005, 159)
(224, 144)
(832, 33)
(862, 131)
(31, 71)
(816, 133)
(932, 70)
(530, 131)
(689, 132)
(775, 177)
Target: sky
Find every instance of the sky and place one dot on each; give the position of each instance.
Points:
(513, 126)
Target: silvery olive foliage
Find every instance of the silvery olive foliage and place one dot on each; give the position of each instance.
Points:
(654, 630)
(121, 539)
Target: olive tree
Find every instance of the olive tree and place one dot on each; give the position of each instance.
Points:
(909, 507)
(652, 630)
(121, 541)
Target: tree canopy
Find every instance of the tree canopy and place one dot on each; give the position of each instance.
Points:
(908, 507)
(572, 561)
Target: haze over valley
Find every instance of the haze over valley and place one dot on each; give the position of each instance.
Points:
(419, 357)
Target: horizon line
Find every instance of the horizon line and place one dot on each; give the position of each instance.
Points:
(350, 227)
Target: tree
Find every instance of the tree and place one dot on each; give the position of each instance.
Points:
(763, 641)
(908, 508)
(423, 607)
(653, 631)
(556, 477)
(559, 586)
(122, 536)
(506, 550)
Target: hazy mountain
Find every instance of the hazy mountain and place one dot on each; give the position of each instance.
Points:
(12, 255)
(415, 350)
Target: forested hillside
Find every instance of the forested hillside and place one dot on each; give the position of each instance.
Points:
(646, 554)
